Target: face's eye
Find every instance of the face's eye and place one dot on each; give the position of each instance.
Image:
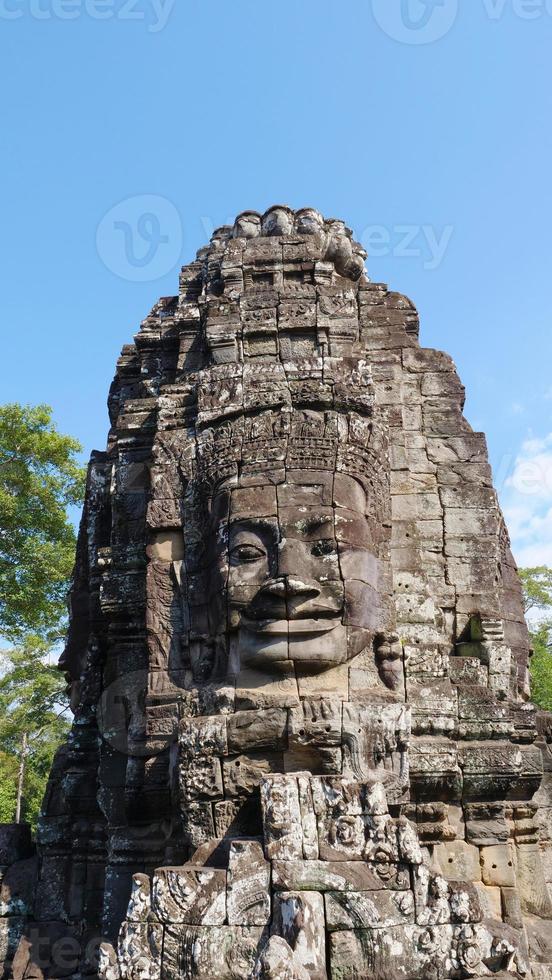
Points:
(322, 548)
(246, 553)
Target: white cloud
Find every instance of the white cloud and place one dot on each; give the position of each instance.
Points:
(527, 502)
(532, 474)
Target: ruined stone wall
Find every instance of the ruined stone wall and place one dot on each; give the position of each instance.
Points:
(294, 582)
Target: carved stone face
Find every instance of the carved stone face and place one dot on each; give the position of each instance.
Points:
(296, 565)
(247, 225)
(278, 221)
(309, 221)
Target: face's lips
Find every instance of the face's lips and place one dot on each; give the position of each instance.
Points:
(289, 627)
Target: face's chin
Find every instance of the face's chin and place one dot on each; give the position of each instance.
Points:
(316, 644)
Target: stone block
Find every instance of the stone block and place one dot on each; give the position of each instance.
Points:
(200, 778)
(323, 876)
(262, 729)
(434, 769)
(464, 902)
(248, 898)
(282, 823)
(511, 908)
(497, 866)
(39, 950)
(11, 931)
(376, 738)
(458, 861)
(308, 818)
(203, 736)
(198, 823)
(17, 889)
(499, 770)
(191, 894)
(15, 843)
(490, 900)
(332, 683)
(139, 906)
(139, 949)
(277, 960)
(299, 919)
(238, 817)
(416, 506)
(401, 953)
(486, 824)
(340, 813)
(316, 721)
(201, 953)
(434, 706)
(368, 910)
(274, 689)
(315, 759)
(243, 773)
(534, 894)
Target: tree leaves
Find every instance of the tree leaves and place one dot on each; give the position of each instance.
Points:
(537, 596)
(39, 479)
(537, 588)
(33, 700)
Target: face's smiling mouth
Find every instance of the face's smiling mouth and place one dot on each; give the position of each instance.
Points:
(290, 627)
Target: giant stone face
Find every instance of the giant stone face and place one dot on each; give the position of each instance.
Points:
(294, 570)
(295, 619)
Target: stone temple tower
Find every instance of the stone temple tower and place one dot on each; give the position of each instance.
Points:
(303, 744)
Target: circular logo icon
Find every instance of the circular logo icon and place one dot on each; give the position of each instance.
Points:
(140, 239)
(415, 21)
(127, 724)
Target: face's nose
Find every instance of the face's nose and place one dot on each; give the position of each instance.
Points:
(304, 590)
(276, 587)
(287, 587)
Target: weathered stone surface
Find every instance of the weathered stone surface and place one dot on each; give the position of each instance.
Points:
(297, 651)
(277, 962)
(458, 861)
(262, 729)
(248, 897)
(368, 910)
(497, 865)
(191, 894)
(282, 822)
(139, 906)
(403, 953)
(17, 889)
(326, 876)
(299, 919)
(198, 953)
(139, 950)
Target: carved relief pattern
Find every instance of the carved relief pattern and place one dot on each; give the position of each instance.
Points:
(303, 744)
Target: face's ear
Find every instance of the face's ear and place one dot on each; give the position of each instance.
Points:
(348, 493)
(219, 507)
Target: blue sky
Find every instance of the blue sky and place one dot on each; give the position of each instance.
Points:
(424, 123)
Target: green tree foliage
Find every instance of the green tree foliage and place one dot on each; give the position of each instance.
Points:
(541, 667)
(9, 771)
(39, 479)
(33, 701)
(537, 589)
(537, 593)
